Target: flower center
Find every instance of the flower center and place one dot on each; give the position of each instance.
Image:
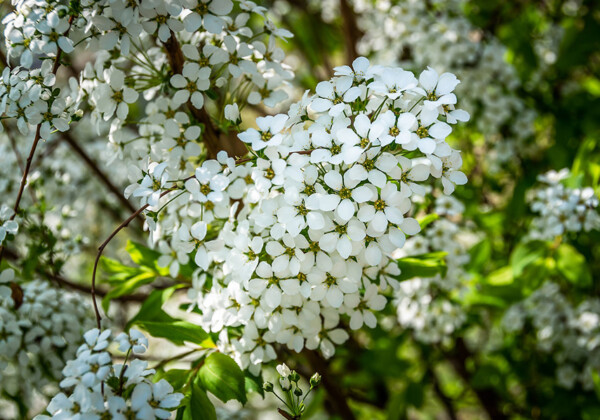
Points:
(270, 173)
(266, 135)
(345, 193)
(422, 132)
(394, 131)
(205, 189)
(379, 205)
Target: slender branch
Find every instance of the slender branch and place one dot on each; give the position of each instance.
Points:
(123, 225)
(99, 173)
(36, 140)
(215, 140)
(286, 415)
(63, 282)
(337, 398)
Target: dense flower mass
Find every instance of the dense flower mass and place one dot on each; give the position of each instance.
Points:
(416, 33)
(567, 332)
(431, 307)
(40, 329)
(96, 387)
(316, 212)
(561, 210)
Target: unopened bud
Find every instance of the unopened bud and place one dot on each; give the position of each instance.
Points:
(298, 392)
(285, 384)
(268, 387)
(315, 380)
(294, 377)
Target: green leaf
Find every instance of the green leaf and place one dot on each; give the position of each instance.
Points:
(501, 277)
(200, 407)
(527, 253)
(424, 265)
(151, 309)
(223, 378)
(572, 265)
(127, 287)
(480, 255)
(254, 383)
(175, 331)
(145, 257)
(415, 394)
(424, 221)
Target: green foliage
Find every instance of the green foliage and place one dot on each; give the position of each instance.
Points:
(424, 265)
(222, 377)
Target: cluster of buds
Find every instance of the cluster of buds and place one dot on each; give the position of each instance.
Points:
(293, 395)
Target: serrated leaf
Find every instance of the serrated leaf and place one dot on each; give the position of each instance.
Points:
(221, 376)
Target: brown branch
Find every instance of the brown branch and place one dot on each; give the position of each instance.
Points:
(36, 140)
(286, 415)
(337, 398)
(351, 32)
(214, 140)
(99, 173)
(63, 282)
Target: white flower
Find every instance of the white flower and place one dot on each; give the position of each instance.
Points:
(190, 83)
(232, 113)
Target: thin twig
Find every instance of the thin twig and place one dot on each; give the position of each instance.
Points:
(99, 173)
(63, 282)
(123, 225)
(36, 140)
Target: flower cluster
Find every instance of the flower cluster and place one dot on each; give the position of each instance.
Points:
(569, 333)
(431, 306)
(293, 395)
(40, 329)
(561, 209)
(95, 387)
(438, 34)
(299, 235)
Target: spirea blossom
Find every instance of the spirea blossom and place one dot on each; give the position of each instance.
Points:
(40, 329)
(569, 332)
(560, 210)
(317, 213)
(94, 386)
(431, 307)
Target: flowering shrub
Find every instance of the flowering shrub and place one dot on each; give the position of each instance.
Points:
(97, 387)
(262, 184)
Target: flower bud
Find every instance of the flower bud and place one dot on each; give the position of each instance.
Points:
(294, 377)
(283, 370)
(315, 380)
(285, 384)
(268, 387)
(232, 113)
(298, 392)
